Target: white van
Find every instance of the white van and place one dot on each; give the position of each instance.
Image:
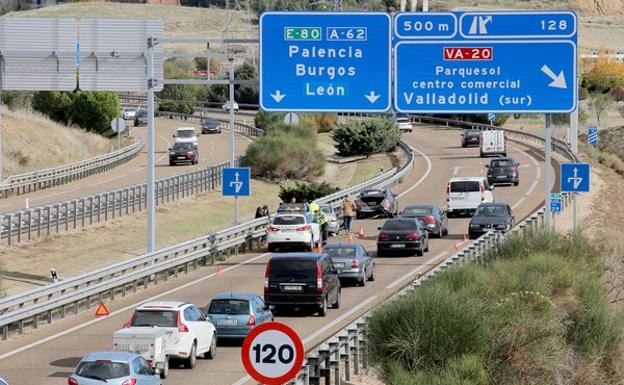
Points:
(493, 143)
(186, 135)
(466, 194)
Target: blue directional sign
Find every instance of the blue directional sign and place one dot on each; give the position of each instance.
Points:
(325, 61)
(236, 181)
(555, 206)
(574, 177)
(592, 135)
(527, 24)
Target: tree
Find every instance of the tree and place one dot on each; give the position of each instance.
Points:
(606, 73)
(366, 137)
(94, 110)
(599, 103)
(55, 104)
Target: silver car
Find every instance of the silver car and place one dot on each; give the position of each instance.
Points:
(114, 368)
(128, 113)
(352, 260)
(3, 382)
(332, 219)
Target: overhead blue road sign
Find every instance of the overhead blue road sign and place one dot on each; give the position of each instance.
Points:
(575, 177)
(425, 25)
(485, 76)
(592, 135)
(325, 61)
(518, 24)
(236, 181)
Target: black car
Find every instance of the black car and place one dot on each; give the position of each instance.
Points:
(503, 170)
(302, 279)
(471, 138)
(183, 153)
(432, 217)
(400, 235)
(210, 126)
(140, 118)
(490, 216)
(376, 202)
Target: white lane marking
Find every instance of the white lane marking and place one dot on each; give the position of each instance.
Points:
(422, 178)
(530, 190)
(89, 323)
(517, 203)
(455, 169)
(414, 271)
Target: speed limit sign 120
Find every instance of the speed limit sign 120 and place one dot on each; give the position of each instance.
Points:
(272, 353)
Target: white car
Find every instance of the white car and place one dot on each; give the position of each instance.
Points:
(405, 125)
(466, 194)
(293, 230)
(128, 113)
(226, 106)
(186, 135)
(189, 332)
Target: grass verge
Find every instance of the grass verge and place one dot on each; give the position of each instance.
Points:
(537, 313)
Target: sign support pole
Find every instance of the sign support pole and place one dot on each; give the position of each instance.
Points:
(574, 214)
(151, 202)
(1, 110)
(232, 135)
(548, 173)
(573, 132)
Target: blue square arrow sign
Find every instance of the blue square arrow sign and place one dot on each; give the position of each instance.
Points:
(325, 61)
(236, 182)
(574, 177)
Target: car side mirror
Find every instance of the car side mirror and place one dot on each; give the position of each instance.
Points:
(491, 188)
(169, 149)
(269, 307)
(379, 229)
(487, 166)
(173, 136)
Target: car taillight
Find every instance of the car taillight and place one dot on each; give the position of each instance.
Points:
(190, 153)
(354, 263)
(490, 170)
(514, 169)
(319, 278)
(181, 326)
(429, 219)
(303, 228)
(448, 191)
(252, 320)
(266, 275)
(359, 203)
(72, 381)
(384, 236)
(131, 381)
(149, 362)
(130, 321)
(413, 236)
(273, 229)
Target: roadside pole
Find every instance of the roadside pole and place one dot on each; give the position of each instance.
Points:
(232, 136)
(1, 110)
(151, 201)
(574, 214)
(573, 132)
(548, 172)
(425, 5)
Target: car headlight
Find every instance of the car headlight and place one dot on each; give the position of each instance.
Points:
(474, 225)
(171, 153)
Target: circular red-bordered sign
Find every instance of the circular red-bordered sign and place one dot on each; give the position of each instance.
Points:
(272, 353)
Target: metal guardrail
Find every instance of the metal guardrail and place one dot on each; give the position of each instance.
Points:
(29, 309)
(344, 353)
(50, 177)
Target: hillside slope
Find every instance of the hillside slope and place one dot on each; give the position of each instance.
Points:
(32, 142)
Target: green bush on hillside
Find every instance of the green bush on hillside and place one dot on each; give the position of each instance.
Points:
(171, 106)
(366, 137)
(94, 111)
(264, 119)
(306, 192)
(55, 104)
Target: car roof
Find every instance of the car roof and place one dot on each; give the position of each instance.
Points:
(186, 128)
(491, 204)
(421, 205)
(501, 158)
(236, 295)
(304, 256)
(112, 356)
(467, 178)
(161, 304)
(340, 245)
(289, 213)
(399, 219)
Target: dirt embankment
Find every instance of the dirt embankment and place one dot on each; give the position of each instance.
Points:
(599, 7)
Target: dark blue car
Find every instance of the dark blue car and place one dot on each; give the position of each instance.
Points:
(234, 314)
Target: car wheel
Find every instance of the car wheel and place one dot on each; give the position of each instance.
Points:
(336, 304)
(322, 311)
(190, 362)
(480, 155)
(420, 252)
(362, 280)
(372, 275)
(171, 164)
(516, 183)
(165, 371)
(212, 353)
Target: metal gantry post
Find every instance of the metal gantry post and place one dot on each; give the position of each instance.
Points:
(150, 203)
(232, 135)
(548, 172)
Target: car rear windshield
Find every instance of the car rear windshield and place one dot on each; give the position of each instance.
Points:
(211, 123)
(289, 220)
(502, 163)
(293, 268)
(142, 113)
(399, 225)
(491, 211)
(340, 252)
(473, 133)
(183, 146)
(105, 370)
(229, 306)
(464, 186)
(160, 318)
(417, 211)
(186, 133)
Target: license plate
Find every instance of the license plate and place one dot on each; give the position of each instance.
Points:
(228, 322)
(292, 288)
(287, 230)
(340, 265)
(181, 157)
(397, 245)
(502, 176)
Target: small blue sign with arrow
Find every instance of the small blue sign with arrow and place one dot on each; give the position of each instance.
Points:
(575, 177)
(592, 135)
(236, 182)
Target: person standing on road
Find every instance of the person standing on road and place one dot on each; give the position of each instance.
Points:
(265, 211)
(321, 219)
(348, 208)
(259, 213)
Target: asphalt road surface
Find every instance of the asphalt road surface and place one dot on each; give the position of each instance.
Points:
(48, 355)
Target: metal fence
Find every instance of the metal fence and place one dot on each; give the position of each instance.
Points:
(50, 177)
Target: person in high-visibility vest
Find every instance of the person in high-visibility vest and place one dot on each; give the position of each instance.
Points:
(321, 219)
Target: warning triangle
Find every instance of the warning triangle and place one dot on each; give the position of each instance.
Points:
(102, 311)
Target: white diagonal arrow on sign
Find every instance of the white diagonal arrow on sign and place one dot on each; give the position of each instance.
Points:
(558, 81)
(278, 96)
(372, 97)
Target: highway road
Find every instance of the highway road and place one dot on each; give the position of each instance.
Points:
(48, 355)
(213, 149)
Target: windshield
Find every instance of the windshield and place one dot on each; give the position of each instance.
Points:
(400, 226)
(207, 122)
(229, 306)
(464, 186)
(186, 133)
(104, 370)
(289, 220)
(296, 269)
(502, 163)
(473, 133)
(160, 318)
(142, 113)
(402, 120)
(326, 209)
(491, 211)
(417, 211)
(183, 146)
(340, 252)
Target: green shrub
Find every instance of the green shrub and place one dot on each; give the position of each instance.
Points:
(306, 192)
(366, 137)
(18, 100)
(94, 111)
(324, 122)
(55, 104)
(264, 119)
(171, 106)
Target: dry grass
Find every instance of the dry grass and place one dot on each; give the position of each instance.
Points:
(33, 142)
